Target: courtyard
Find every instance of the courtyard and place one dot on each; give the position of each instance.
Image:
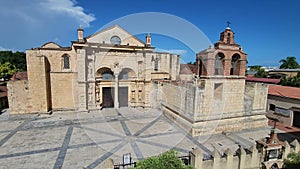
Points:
(86, 140)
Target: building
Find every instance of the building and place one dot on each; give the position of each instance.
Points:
(113, 68)
(110, 68)
(219, 100)
(284, 104)
(280, 73)
(263, 80)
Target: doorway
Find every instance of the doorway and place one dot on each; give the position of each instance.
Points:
(108, 97)
(123, 96)
(296, 119)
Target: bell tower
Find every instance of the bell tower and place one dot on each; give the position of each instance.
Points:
(226, 58)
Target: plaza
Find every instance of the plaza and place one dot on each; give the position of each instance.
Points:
(86, 140)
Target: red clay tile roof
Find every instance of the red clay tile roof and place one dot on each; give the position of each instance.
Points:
(263, 80)
(284, 91)
(188, 69)
(3, 91)
(19, 76)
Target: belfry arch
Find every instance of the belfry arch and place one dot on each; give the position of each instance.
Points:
(219, 63)
(235, 64)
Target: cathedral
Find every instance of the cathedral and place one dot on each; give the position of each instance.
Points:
(112, 69)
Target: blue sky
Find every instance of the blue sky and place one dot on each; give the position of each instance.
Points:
(268, 30)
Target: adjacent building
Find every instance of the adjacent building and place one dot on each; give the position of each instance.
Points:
(284, 104)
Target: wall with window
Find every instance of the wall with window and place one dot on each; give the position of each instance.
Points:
(282, 108)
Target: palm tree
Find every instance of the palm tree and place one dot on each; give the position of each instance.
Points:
(289, 63)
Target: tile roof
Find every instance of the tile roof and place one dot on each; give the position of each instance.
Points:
(188, 69)
(19, 76)
(3, 91)
(284, 91)
(263, 80)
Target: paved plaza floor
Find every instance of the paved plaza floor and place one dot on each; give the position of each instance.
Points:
(86, 140)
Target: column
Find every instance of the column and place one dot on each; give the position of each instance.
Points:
(116, 98)
(82, 85)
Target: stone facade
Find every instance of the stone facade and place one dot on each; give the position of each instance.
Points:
(219, 100)
(201, 109)
(110, 68)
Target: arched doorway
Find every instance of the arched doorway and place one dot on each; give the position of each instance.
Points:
(125, 77)
(104, 89)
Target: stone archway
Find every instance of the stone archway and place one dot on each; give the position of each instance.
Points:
(127, 74)
(125, 77)
(235, 64)
(219, 63)
(104, 87)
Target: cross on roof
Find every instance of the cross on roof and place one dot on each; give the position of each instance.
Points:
(228, 23)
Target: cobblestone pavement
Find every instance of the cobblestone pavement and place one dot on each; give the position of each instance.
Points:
(86, 140)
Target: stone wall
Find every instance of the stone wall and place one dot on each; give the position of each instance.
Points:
(62, 91)
(215, 105)
(241, 159)
(18, 97)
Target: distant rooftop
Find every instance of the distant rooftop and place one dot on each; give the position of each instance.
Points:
(3, 91)
(263, 80)
(19, 76)
(285, 70)
(284, 91)
(188, 69)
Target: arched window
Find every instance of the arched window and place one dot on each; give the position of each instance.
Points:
(156, 59)
(66, 61)
(235, 64)
(219, 65)
(155, 65)
(126, 74)
(105, 74)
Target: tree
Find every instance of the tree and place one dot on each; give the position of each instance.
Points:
(290, 81)
(260, 72)
(18, 59)
(289, 63)
(166, 160)
(7, 70)
(191, 63)
(292, 161)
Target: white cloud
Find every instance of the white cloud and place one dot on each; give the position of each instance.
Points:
(173, 51)
(69, 7)
(5, 49)
(30, 24)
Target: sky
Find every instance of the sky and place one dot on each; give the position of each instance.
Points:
(267, 30)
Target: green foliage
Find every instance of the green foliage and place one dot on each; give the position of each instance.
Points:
(289, 63)
(166, 160)
(254, 68)
(18, 59)
(290, 81)
(260, 72)
(293, 161)
(11, 62)
(191, 63)
(7, 70)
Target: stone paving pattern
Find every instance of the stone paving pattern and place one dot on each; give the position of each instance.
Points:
(86, 140)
